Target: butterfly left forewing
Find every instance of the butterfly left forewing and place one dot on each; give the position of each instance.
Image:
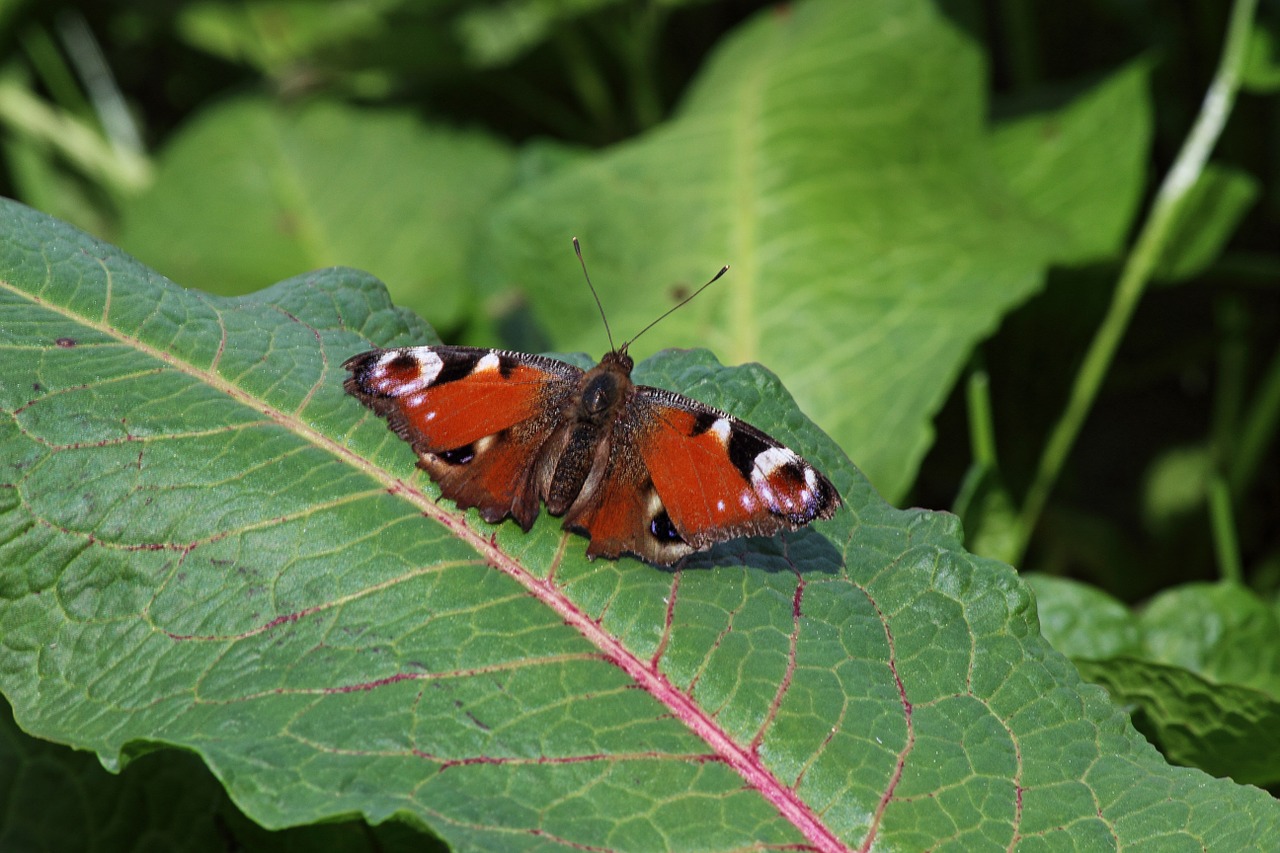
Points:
(477, 418)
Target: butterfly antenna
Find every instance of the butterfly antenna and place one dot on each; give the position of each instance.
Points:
(724, 269)
(578, 250)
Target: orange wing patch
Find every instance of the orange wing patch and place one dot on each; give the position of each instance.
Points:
(693, 473)
(458, 413)
(443, 398)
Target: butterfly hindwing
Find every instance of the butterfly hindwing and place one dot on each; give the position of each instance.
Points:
(621, 513)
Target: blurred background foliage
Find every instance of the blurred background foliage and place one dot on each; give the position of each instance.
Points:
(452, 147)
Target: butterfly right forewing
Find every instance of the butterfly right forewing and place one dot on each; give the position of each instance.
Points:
(719, 478)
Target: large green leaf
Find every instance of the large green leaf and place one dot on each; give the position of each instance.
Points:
(207, 544)
(1082, 164)
(253, 191)
(836, 154)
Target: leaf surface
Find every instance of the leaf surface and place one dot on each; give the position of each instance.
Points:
(1082, 164)
(205, 543)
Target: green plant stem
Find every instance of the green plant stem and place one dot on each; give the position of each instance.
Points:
(120, 170)
(1142, 259)
(99, 82)
(1258, 430)
(982, 433)
(1223, 525)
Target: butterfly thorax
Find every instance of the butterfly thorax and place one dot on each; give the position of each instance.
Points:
(601, 393)
(603, 387)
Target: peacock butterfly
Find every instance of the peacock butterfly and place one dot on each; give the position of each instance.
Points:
(636, 469)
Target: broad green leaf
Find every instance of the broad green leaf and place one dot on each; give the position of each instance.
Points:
(1198, 663)
(206, 544)
(253, 191)
(1082, 621)
(1224, 729)
(1223, 631)
(1082, 164)
(835, 155)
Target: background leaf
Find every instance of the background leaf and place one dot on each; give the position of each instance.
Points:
(1173, 476)
(836, 157)
(1198, 664)
(207, 544)
(1218, 201)
(1081, 621)
(291, 188)
(1080, 162)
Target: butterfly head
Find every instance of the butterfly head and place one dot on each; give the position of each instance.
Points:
(618, 359)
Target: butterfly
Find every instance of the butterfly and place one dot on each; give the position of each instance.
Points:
(636, 469)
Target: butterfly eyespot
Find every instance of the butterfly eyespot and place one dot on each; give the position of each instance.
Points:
(458, 456)
(662, 529)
